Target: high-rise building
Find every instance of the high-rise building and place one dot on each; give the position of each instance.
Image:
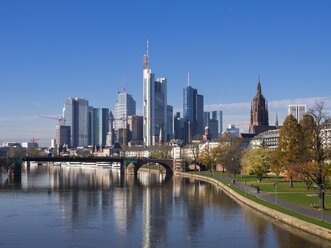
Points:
(218, 115)
(180, 127)
(110, 134)
(124, 106)
(155, 107)
(170, 121)
(135, 124)
(63, 135)
(90, 139)
(213, 128)
(199, 116)
(76, 116)
(161, 128)
(100, 126)
(206, 118)
(259, 112)
(176, 125)
(193, 111)
(298, 111)
(220, 122)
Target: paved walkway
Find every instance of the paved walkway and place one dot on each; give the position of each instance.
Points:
(272, 198)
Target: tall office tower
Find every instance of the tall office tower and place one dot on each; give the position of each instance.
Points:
(199, 115)
(135, 124)
(180, 127)
(63, 136)
(90, 139)
(193, 111)
(170, 121)
(298, 111)
(176, 125)
(161, 134)
(110, 134)
(213, 128)
(100, 126)
(76, 116)
(259, 112)
(206, 118)
(220, 122)
(125, 105)
(218, 115)
(155, 106)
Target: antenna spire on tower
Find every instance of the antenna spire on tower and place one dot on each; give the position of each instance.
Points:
(188, 79)
(146, 56)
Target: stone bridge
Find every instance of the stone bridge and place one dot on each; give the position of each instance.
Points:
(168, 164)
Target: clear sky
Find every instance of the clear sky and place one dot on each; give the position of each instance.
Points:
(50, 50)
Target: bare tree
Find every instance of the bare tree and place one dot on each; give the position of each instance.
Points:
(317, 169)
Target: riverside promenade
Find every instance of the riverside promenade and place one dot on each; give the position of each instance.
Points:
(273, 199)
(230, 186)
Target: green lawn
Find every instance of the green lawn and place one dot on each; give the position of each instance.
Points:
(299, 194)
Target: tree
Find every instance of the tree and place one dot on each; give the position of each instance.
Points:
(290, 148)
(229, 153)
(84, 153)
(207, 158)
(315, 166)
(276, 162)
(162, 152)
(256, 162)
(308, 129)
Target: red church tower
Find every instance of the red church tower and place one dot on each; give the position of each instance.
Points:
(259, 112)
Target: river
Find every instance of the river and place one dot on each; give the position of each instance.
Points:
(57, 206)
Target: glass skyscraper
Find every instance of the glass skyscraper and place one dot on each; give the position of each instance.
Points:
(193, 111)
(124, 107)
(155, 107)
(76, 115)
(100, 126)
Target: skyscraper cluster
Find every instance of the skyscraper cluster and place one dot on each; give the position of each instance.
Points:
(87, 126)
(155, 107)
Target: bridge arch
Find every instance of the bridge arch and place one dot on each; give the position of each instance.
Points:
(167, 165)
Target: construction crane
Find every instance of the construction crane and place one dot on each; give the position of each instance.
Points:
(33, 140)
(59, 119)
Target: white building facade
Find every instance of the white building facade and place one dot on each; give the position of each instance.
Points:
(298, 111)
(155, 107)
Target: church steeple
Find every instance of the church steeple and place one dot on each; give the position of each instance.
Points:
(259, 86)
(259, 111)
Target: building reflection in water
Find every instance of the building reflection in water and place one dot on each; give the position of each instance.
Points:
(152, 208)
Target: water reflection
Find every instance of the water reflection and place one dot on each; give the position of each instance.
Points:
(96, 207)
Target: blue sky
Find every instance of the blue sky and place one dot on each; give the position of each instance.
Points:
(50, 50)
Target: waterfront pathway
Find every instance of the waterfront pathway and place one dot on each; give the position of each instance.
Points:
(273, 199)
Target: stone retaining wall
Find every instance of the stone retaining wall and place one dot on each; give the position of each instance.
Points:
(303, 225)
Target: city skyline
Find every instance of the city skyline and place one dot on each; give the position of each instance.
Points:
(52, 51)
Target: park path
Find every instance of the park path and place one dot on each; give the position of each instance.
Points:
(272, 198)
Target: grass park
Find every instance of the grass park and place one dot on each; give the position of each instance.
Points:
(299, 194)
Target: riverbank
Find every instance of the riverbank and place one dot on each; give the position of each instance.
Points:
(295, 219)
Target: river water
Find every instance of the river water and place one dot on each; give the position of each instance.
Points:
(94, 207)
